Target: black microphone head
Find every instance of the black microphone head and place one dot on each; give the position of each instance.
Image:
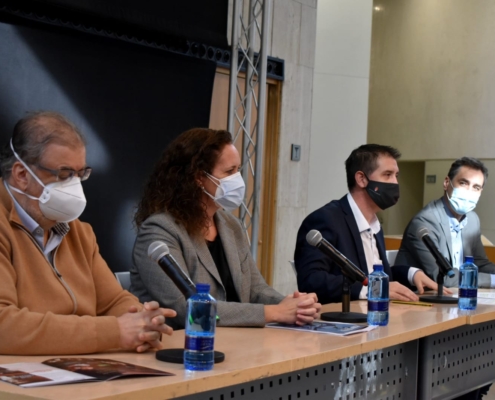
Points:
(314, 237)
(157, 250)
(421, 232)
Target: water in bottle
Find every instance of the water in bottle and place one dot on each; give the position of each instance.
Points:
(200, 330)
(378, 296)
(468, 284)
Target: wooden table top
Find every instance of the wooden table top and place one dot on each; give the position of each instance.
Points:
(485, 310)
(250, 354)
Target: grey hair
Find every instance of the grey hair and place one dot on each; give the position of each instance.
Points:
(33, 133)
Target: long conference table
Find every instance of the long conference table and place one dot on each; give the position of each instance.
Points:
(436, 352)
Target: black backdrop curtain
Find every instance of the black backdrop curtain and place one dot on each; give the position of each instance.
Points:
(203, 21)
(129, 101)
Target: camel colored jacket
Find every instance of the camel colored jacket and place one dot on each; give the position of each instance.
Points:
(68, 308)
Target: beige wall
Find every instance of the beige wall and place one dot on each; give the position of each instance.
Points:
(293, 39)
(340, 95)
(432, 91)
(432, 85)
(395, 219)
(438, 168)
(324, 109)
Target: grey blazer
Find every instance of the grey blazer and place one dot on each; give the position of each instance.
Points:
(413, 251)
(149, 282)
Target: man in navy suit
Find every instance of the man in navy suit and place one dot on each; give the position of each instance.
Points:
(352, 226)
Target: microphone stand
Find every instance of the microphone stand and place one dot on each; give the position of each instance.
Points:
(176, 356)
(439, 298)
(346, 315)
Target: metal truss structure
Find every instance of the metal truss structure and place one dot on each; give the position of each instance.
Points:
(247, 102)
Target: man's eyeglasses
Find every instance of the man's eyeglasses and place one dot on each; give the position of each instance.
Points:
(64, 174)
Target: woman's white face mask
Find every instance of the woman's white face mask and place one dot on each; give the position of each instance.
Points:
(61, 201)
(230, 191)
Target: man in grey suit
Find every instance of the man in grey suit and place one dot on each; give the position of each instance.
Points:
(453, 226)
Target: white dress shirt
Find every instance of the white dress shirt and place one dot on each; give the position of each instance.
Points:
(368, 232)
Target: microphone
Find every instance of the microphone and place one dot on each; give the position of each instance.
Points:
(441, 261)
(314, 238)
(159, 252)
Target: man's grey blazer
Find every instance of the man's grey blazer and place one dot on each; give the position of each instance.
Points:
(149, 282)
(434, 217)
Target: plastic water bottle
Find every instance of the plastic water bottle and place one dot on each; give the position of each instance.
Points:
(200, 330)
(468, 284)
(378, 296)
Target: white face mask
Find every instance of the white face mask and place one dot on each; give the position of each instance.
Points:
(230, 191)
(61, 201)
(463, 200)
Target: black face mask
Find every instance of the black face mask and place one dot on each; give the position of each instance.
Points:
(383, 194)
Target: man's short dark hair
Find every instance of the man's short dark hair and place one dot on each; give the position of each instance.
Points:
(469, 162)
(364, 159)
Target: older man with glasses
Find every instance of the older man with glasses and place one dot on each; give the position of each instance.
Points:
(57, 294)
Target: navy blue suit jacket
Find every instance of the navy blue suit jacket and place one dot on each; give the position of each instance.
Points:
(318, 273)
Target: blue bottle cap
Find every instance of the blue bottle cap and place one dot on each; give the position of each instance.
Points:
(203, 287)
(377, 267)
(469, 259)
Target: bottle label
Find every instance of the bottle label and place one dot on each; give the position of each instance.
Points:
(377, 305)
(199, 343)
(468, 292)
